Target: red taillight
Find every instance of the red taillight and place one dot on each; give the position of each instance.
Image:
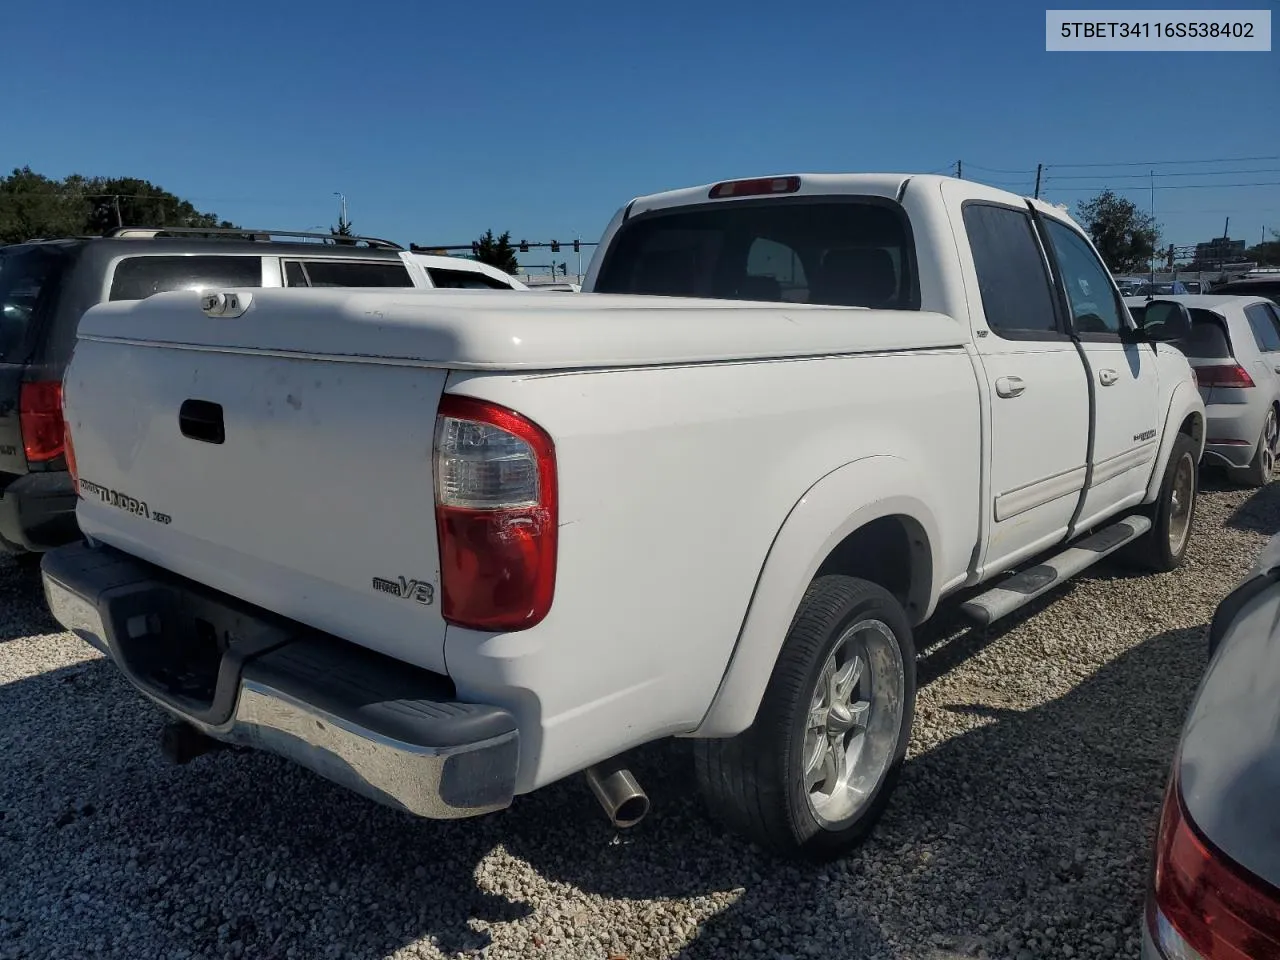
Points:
(1205, 905)
(40, 417)
(71, 456)
(755, 188)
(1223, 375)
(496, 516)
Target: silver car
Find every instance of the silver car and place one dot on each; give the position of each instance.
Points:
(1215, 888)
(1234, 349)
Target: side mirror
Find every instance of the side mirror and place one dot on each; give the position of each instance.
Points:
(1165, 321)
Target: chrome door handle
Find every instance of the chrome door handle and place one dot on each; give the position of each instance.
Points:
(1276, 368)
(1010, 387)
(1107, 377)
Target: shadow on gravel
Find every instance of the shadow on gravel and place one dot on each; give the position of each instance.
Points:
(23, 611)
(1260, 513)
(1006, 830)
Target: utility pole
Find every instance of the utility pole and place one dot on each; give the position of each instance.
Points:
(1039, 168)
(959, 169)
(1152, 175)
(119, 219)
(342, 216)
(1226, 229)
(577, 242)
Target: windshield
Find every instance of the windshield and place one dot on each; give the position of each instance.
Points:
(28, 280)
(844, 252)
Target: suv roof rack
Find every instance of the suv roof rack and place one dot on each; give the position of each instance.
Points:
(237, 233)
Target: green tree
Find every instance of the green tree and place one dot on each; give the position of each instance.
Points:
(497, 251)
(1124, 235)
(32, 205)
(130, 202)
(1267, 253)
(341, 231)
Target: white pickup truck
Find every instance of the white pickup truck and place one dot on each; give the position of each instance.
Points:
(448, 549)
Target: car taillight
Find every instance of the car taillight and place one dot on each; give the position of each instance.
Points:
(1205, 906)
(495, 516)
(71, 456)
(1223, 375)
(40, 418)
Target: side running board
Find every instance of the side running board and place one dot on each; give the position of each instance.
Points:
(1022, 588)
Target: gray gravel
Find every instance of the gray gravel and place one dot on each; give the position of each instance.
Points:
(1021, 827)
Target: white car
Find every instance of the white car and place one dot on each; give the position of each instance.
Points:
(458, 273)
(448, 549)
(1215, 889)
(1234, 349)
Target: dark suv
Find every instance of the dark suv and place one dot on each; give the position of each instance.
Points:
(47, 285)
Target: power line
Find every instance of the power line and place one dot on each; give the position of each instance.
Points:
(1145, 176)
(1179, 186)
(1162, 163)
(976, 166)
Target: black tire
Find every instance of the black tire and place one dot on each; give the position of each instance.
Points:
(1154, 551)
(1260, 470)
(754, 782)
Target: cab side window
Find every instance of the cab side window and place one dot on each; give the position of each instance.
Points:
(1013, 281)
(1094, 308)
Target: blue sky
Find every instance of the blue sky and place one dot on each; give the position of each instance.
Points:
(439, 120)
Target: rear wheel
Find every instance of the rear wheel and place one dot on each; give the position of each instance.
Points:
(813, 773)
(1259, 472)
(1163, 547)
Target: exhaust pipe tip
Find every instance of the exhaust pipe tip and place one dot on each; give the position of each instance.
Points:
(624, 801)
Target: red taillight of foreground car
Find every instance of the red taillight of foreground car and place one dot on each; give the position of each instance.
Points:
(1223, 375)
(40, 419)
(496, 516)
(71, 456)
(1204, 906)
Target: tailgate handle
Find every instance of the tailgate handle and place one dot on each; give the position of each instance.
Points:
(202, 420)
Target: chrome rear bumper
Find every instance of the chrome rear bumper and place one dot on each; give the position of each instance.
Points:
(379, 727)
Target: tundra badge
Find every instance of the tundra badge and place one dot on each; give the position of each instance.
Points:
(404, 588)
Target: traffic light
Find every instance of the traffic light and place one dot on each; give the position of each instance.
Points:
(524, 246)
(577, 246)
(555, 246)
(564, 269)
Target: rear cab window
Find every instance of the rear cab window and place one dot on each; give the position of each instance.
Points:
(29, 282)
(346, 273)
(139, 277)
(838, 251)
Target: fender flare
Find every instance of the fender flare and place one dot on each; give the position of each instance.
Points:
(880, 486)
(1184, 401)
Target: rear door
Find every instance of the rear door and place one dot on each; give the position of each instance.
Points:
(1039, 400)
(29, 284)
(1127, 424)
(1266, 334)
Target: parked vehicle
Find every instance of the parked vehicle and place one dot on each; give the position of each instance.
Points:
(1215, 888)
(46, 286)
(457, 273)
(1234, 349)
(1128, 285)
(1195, 287)
(1251, 287)
(953, 391)
(1173, 288)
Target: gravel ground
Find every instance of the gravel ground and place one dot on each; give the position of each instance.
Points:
(1020, 829)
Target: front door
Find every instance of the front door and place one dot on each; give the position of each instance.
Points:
(1127, 424)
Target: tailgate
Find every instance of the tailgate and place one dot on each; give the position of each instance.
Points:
(300, 485)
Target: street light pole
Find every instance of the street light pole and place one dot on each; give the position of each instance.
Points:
(342, 217)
